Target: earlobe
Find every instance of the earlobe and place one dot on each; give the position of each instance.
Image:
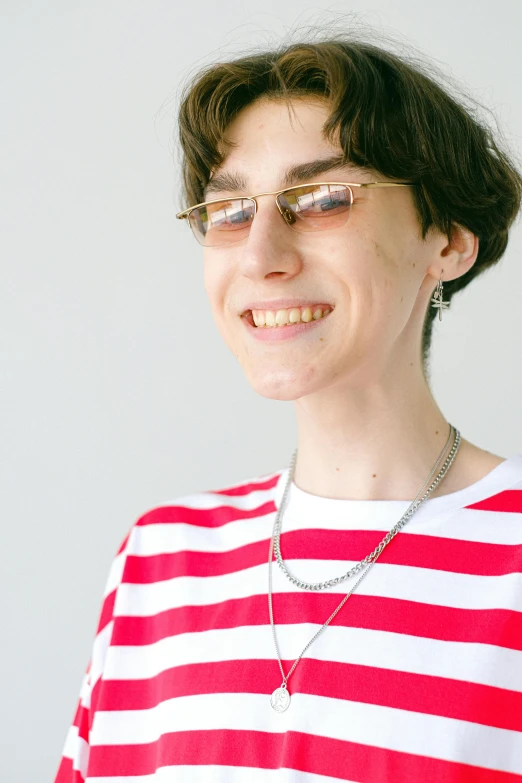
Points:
(461, 252)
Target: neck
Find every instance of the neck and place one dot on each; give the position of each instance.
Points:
(380, 442)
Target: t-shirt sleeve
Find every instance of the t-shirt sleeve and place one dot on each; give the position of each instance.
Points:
(75, 755)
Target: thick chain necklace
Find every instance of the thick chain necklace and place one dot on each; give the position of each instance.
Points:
(280, 698)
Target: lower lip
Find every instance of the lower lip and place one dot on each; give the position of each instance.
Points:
(287, 332)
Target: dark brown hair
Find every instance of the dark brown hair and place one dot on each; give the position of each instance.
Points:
(389, 113)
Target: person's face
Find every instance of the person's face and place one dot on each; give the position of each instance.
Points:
(369, 271)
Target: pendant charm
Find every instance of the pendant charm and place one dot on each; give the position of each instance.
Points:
(280, 699)
(437, 301)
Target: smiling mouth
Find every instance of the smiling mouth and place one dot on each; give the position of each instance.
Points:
(271, 319)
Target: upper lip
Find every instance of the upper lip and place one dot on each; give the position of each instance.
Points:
(282, 304)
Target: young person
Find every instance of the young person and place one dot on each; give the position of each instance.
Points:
(355, 615)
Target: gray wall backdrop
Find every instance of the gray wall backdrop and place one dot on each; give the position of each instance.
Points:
(117, 392)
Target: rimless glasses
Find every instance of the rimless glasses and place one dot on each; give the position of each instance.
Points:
(316, 206)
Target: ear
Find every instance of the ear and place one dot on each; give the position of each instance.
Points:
(458, 255)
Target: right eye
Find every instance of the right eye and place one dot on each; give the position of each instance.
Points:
(230, 215)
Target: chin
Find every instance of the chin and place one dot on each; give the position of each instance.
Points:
(283, 385)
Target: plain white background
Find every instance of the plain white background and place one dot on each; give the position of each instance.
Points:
(117, 393)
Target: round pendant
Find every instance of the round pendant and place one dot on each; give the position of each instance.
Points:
(280, 699)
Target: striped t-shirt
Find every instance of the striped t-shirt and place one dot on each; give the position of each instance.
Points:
(417, 678)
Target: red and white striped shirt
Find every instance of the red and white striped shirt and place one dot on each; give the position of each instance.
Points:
(417, 678)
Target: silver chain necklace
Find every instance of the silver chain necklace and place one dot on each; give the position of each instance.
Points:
(280, 698)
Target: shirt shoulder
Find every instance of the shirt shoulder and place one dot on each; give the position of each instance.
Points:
(252, 497)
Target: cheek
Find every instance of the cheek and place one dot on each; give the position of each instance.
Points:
(208, 276)
(363, 266)
(214, 283)
(391, 284)
(375, 276)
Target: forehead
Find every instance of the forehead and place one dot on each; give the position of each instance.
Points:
(304, 115)
(278, 144)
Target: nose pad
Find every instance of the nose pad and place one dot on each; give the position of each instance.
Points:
(288, 215)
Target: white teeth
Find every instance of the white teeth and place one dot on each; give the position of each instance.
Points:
(259, 317)
(292, 316)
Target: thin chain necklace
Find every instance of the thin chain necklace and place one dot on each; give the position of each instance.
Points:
(280, 698)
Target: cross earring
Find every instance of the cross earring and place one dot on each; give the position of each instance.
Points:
(438, 302)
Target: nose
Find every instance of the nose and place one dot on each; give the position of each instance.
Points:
(270, 247)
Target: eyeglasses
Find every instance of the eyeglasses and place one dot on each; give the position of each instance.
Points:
(316, 206)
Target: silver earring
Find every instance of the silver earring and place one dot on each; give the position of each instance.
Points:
(438, 302)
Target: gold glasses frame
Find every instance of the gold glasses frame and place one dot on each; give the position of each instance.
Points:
(186, 212)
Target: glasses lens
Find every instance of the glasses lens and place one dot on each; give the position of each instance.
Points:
(222, 222)
(316, 207)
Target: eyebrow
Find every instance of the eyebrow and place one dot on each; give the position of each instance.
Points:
(291, 176)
